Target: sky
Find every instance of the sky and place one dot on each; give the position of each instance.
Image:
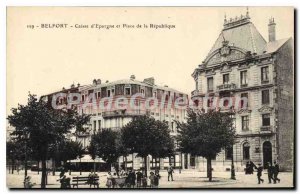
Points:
(41, 61)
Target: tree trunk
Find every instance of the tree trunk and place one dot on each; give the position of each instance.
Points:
(69, 167)
(125, 166)
(53, 166)
(25, 162)
(44, 174)
(94, 166)
(145, 165)
(12, 167)
(209, 170)
(80, 166)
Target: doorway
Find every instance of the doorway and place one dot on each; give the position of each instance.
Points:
(267, 153)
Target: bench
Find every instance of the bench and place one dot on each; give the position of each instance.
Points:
(85, 181)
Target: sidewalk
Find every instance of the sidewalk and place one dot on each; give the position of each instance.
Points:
(185, 179)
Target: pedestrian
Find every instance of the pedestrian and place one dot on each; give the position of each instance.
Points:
(170, 172)
(109, 183)
(270, 172)
(132, 179)
(276, 172)
(139, 176)
(151, 178)
(156, 179)
(252, 166)
(259, 173)
(27, 183)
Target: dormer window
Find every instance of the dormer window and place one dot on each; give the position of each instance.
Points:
(128, 91)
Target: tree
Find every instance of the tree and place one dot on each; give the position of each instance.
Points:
(13, 153)
(68, 150)
(206, 134)
(43, 125)
(105, 144)
(146, 136)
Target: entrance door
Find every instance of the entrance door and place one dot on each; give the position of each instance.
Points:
(267, 153)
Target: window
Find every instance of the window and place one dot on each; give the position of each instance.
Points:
(95, 125)
(82, 98)
(172, 126)
(142, 91)
(225, 78)
(228, 153)
(154, 94)
(265, 97)
(246, 151)
(225, 98)
(265, 74)
(245, 123)
(266, 119)
(243, 78)
(127, 91)
(98, 94)
(108, 93)
(210, 82)
(197, 84)
(244, 100)
(99, 125)
(112, 92)
(209, 102)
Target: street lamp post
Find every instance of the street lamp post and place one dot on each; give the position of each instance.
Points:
(232, 160)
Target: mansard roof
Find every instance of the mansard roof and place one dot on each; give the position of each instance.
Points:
(244, 36)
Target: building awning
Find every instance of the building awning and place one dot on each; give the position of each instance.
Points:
(88, 158)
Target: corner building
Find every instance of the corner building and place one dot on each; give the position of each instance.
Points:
(241, 63)
(115, 118)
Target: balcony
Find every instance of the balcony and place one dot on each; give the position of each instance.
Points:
(124, 112)
(196, 93)
(266, 129)
(225, 87)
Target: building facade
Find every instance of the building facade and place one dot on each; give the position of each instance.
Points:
(113, 104)
(243, 65)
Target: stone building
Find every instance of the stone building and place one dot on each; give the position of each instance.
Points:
(242, 64)
(109, 104)
(114, 117)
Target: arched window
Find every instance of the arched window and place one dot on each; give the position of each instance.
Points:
(246, 151)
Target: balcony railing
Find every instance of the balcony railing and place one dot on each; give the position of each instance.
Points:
(226, 87)
(267, 129)
(196, 93)
(124, 112)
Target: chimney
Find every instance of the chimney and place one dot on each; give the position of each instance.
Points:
(272, 30)
(94, 82)
(132, 77)
(150, 81)
(98, 81)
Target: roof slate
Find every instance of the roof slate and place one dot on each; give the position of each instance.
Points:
(245, 36)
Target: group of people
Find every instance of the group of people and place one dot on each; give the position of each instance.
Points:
(273, 171)
(132, 179)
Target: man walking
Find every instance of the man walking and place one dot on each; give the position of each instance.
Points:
(276, 172)
(139, 176)
(170, 172)
(259, 173)
(270, 172)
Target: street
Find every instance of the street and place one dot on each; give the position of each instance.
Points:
(185, 179)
